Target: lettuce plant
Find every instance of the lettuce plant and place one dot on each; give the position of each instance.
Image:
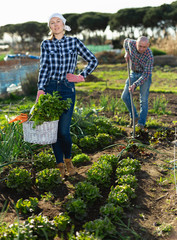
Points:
(43, 160)
(62, 221)
(40, 227)
(121, 195)
(100, 173)
(127, 179)
(114, 213)
(19, 179)
(47, 179)
(103, 140)
(88, 144)
(27, 205)
(76, 208)
(102, 228)
(87, 192)
(81, 158)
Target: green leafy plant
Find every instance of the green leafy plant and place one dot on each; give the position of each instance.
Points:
(127, 166)
(127, 179)
(88, 144)
(47, 196)
(62, 221)
(27, 205)
(43, 160)
(40, 227)
(120, 171)
(120, 195)
(82, 124)
(163, 134)
(80, 159)
(13, 232)
(19, 179)
(110, 159)
(49, 108)
(102, 228)
(87, 192)
(77, 208)
(105, 125)
(155, 123)
(114, 213)
(100, 173)
(103, 140)
(134, 163)
(47, 179)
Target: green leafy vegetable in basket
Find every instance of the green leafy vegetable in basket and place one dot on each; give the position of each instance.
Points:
(49, 108)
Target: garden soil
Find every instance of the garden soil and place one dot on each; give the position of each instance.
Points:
(156, 204)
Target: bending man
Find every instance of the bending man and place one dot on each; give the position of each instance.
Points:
(141, 57)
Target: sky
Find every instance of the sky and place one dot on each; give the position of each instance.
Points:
(20, 11)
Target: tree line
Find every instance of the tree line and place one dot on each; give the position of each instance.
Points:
(151, 21)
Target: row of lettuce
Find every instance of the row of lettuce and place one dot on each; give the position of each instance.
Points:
(109, 172)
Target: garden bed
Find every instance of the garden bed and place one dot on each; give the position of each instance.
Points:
(152, 214)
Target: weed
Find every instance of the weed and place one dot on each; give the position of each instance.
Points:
(159, 105)
(47, 196)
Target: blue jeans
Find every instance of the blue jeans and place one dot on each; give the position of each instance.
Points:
(144, 94)
(62, 148)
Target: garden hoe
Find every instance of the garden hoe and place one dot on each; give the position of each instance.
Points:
(131, 97)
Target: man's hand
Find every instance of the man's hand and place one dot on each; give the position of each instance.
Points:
(74, 78)
(127, 56)
(39, 92)
(132, 88)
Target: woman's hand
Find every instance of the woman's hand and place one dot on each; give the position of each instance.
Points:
(39, 92)
(74, 78)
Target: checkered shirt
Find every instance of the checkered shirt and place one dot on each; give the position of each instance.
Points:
(59, 57)
(140, 62)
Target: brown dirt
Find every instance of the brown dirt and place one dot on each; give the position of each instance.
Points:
(155, 205)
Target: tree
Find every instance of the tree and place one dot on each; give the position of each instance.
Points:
(72, 21)
(93, 21)
(158, 18)
(33, 30)
(126, 20)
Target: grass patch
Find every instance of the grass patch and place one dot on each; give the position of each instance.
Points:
(114, 77)
(2, 57)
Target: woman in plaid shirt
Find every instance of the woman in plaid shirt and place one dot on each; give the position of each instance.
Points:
(141, 73)
(58, 61)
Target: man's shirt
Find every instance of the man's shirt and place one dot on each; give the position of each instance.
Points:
(140, 62)
(59, 57)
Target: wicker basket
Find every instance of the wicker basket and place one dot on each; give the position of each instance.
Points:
(43, 134)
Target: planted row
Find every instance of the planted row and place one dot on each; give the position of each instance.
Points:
(99, 176)
(20, 179)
